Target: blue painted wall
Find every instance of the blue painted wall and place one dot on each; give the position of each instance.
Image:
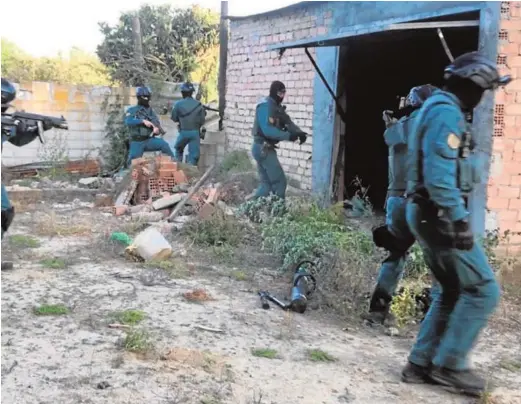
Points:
(363, 17)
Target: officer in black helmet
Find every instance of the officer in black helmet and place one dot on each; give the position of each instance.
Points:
(271, 125)
(144, 127)
(190, 115)
(442, 172)
(19, 135)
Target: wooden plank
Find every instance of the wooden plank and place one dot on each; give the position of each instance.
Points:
(433, 24)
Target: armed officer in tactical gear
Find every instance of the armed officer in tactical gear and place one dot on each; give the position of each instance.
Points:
(271, 125)
(395, 235)
(20, 134)
(442, 172)
(144, 126)
(190, 115)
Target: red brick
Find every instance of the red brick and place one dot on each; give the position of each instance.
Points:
(496, 203)
(508, 215)
(514, 61)
(509, 192)
(180, 177)
(515, 85)
(509, 25)
(514, 204)
(165, 173)
(510, 48)
(515, 179)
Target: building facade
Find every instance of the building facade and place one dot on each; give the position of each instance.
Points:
(272, 46)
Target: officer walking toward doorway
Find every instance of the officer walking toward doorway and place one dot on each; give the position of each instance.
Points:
(395, 235)
(442, 174)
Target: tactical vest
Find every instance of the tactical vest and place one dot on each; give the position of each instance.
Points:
(256, 132)
(141, 132)
(467, 161)
(187, 112)
(396, 139)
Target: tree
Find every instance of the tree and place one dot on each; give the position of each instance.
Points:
(78, 68)
(176, 44)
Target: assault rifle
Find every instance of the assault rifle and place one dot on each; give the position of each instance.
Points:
(41, 122)
(142, 114)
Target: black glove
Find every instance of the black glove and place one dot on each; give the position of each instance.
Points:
(303, 137)
(293, 137)
(463, 237)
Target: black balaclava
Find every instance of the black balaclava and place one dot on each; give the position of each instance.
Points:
(143, 101)
(275, 88)
(466, 90)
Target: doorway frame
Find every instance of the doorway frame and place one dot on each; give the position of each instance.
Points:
(325, 125)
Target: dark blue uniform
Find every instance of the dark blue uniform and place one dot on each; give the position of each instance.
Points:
(442, 175)
(190, 115)
(141, 139)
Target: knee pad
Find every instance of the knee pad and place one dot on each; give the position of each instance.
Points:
(7, 218)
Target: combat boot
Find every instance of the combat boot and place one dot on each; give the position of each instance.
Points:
(415, 374)
(459, 381)
(378, 307)
(7, 265)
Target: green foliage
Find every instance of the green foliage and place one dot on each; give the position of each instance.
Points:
(303, 230)
(129, 317)
(51, 310)
(267, 353)
(403, 307)
(21, 241)
(318, 355)
(114, 153)
(216, 231)
(236, 162)
(138, 341)
(77, 68)
(176, 42)
(54, 263)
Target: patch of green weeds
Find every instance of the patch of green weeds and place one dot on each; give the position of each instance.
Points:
(54, 263)
(22, 241)
(317, 355)
(51, 310)
(129, 317)
(138, 341)
(267, 353)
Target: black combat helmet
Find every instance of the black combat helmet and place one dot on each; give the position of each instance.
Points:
(478, 69)
(8, 92)
(417, 95)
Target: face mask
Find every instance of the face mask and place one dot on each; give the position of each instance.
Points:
(143, 102)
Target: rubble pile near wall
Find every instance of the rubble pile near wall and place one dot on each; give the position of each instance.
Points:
(156, 186)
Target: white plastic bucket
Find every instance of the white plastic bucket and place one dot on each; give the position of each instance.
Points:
(151, 245)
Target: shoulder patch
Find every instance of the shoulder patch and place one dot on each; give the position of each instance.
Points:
(453, 141)
(271, 120)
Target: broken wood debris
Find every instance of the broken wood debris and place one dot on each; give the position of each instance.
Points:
(158, 189)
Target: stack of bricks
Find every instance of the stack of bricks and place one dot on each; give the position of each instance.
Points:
(252, 68)
(504, 187)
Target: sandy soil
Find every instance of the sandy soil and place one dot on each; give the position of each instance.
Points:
(76, 358)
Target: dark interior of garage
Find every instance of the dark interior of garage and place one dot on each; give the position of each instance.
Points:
(375, 71)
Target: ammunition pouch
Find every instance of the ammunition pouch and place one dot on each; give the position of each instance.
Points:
(202, 132)
(7, 218)
(383, 238)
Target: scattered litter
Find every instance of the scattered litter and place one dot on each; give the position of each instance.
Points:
(90, 182)
(151, 245)
(204, 328)
(123, 238)
(103, 385)
(124, 326)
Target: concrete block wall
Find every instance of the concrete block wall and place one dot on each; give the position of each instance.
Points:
(82, 106)
(252, 68)
(504, 187)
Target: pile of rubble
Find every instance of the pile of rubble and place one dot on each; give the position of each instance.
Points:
(156, 185)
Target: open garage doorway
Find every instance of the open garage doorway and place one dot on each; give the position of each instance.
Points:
(374, 72)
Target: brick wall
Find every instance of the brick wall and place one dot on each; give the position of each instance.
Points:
(83, 109)
(504, 188)
(252, 68)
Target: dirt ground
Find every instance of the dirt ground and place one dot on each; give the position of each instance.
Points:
(226, 349)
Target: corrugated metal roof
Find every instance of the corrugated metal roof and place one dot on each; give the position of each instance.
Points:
(291, 7)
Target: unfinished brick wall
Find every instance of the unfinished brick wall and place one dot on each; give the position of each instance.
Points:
(252, 68)
(82, 106)
(504, 188)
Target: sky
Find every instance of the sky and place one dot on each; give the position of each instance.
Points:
(45, 27)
